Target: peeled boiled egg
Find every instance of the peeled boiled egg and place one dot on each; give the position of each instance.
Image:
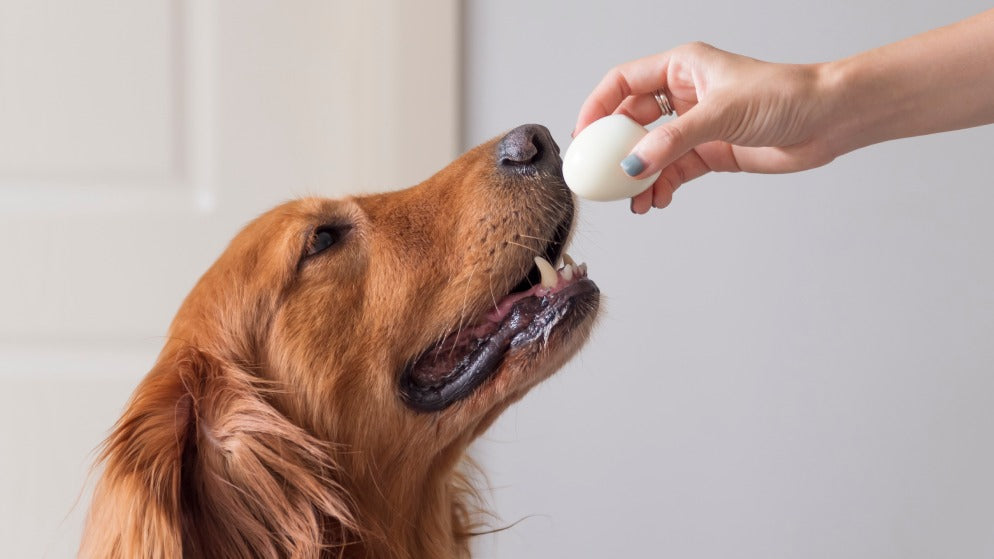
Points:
(592, 163)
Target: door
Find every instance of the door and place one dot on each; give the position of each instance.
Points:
(135, 139)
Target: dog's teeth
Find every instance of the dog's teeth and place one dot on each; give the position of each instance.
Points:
(569, 261)
(583, 269)
(549, 276)
(567, 272)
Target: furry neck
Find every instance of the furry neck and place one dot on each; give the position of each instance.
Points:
(415, 512)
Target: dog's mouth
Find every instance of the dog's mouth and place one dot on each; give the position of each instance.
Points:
(538, 313)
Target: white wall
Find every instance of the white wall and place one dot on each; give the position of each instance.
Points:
(796, 366)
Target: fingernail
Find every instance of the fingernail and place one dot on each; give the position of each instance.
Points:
(632, 165)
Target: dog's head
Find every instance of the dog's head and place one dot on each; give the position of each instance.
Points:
(406, 319)
(387, 330)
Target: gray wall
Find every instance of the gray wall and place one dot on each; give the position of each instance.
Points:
(795, 366)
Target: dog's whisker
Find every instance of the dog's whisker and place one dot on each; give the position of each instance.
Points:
(536, 238)
(533, 249)
(462, 313)
(490, 282)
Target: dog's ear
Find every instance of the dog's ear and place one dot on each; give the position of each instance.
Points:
(202, 465)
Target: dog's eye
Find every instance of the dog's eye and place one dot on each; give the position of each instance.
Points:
(325, 237)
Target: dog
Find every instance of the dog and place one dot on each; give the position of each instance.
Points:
(321, 383)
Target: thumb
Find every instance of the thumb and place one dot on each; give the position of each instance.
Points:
(667, 142)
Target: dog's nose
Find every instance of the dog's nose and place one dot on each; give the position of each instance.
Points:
(528, 147)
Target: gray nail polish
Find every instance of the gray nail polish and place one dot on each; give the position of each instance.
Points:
(632, 165)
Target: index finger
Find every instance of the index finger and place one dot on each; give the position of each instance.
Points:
(636, 77)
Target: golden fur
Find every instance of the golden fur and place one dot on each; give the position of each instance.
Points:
(270, 425)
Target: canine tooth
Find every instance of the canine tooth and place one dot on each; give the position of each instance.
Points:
(567, 272)
(583, 269)
(568, 260)
(549, 276)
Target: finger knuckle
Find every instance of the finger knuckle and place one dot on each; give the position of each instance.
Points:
(662, 193)
(616, 77)
(671, 135)
(668, 182)
(698, 47)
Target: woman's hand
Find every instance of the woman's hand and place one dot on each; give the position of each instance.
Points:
(735, 114)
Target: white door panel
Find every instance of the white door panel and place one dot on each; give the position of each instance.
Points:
(87, 89)
(135, 139)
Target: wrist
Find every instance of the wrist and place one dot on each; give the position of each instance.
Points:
(845, 122)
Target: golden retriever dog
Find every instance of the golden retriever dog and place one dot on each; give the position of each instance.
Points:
(320, 385)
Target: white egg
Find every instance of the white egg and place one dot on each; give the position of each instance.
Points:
(592, 163)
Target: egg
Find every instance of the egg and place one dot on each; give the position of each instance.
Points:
(592, 162)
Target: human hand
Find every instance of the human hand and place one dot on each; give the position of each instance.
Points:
(735, 114)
